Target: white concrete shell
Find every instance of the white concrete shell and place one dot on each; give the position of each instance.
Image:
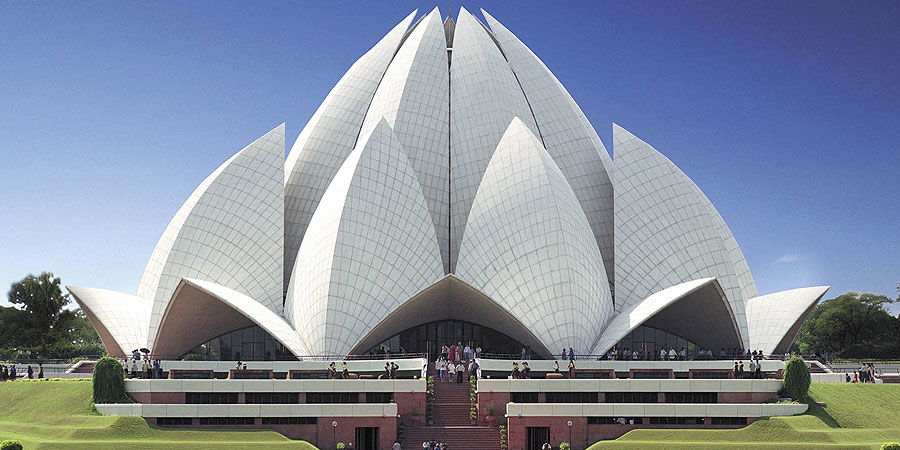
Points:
(567, 135)
(529, 247)
(229, 231)
(188, 323)
(775, 319)
(329, 136)
(485, 98)
(369, 248)
(414, 98)
(666, 232)
(674, 307)
(120, 319)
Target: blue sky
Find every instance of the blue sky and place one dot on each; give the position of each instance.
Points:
(786, 114)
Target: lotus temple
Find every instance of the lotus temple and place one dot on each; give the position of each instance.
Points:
(448, 189)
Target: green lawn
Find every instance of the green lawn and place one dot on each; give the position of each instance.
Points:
(59, 415)
(856, 416)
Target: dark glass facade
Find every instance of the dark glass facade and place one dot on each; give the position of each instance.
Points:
(246, 344)
(652, 340)
(428, 338)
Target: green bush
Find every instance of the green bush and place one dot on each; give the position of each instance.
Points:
(341, 446)
(565, 446)
(109, 381)
(885, 446)
(796, 378)
(16, 445)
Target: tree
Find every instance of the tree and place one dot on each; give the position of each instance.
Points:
(796, 378)
(108, 381)
(852, 325)
(41, 296)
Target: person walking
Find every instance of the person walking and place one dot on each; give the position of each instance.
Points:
(468, 352)
(526, 371)
(157, 369)
(29, 374)
(452, 354)
(134, 368)
(396, 445)
(40, 371)
(571, 369)
(345, 371)
(443, 367)
(460, 370)
(571, 354)
(451, 371)
(672, 354)
(332, 371)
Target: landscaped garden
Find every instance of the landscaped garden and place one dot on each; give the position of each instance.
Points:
(59, 415)
(855, 416)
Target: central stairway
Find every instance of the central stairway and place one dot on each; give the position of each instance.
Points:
(451, 421)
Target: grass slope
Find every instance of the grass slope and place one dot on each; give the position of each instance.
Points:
(59, 415)
(856, 416)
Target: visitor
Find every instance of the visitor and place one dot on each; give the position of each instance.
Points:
(855, 377)
(332, 371)
(29, 373)
(145, 369)
(238, 366)
(752, 369)
(394, 368)
(387, 371)
(564, 356)
(345, 371)
(871, 373)
(40, 371)
(759, 370)
(546, 446)
(452, 354)
(157, 369)
(451, 371)
(734, 371)
(673, 355)
(571, 369)
(556, 366)
(741, 369)
(473, 370)
(134, 368)
(847, 375)
(460, 371)
(634, 355)
(515, 371)
(524, 353)
(468, 352)
(476, 352)
(682, 355)
(425, 445)
(459, 351)
(571, 354)
(444, 351)
(662, 354)
(722, 353)
(244, 367)
(396, 445)
(12, 373)
(526, 371)
(443, 370)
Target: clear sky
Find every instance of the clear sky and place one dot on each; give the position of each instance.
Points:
(786, 114)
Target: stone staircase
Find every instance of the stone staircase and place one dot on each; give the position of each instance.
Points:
(451, 421)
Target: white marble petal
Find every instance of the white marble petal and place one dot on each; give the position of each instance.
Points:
(568, 136)
(485, 96)
(371, 246)
(666, 232)
(120, 319)
(775, 319)
(414, 98)
(529, 247)
(229, 231)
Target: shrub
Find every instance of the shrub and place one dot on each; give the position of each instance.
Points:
(341, 446)
(109, 381)
(885, 446)
(796, 378)
(502, 437)
(414, 411)
(16, 445)
(565, 446)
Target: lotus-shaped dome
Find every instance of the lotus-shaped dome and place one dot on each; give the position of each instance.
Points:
(448, 175)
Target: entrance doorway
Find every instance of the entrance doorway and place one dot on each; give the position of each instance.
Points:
(535, 437)
(367, 438)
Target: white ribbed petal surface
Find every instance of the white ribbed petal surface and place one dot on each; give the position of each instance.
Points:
(370, 247)
(530, 248)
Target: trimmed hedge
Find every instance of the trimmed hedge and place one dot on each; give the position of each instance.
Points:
(891, 446)
(796, 378)
(10, 445)
(109, 381)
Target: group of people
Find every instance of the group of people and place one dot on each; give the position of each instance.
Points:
(755, 371)
(457, 363)
(434, 445)
(671, 354)
(332, 371)
(9, 373)
(520, 374)
(865, 374)
(147, 369)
